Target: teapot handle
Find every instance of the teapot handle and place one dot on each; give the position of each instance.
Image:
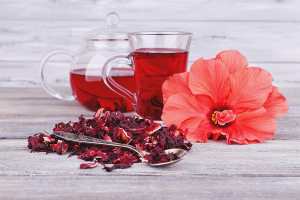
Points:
(106, 75)
(44, 82)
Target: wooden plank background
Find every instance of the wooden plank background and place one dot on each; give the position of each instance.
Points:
(266, 32)
(212, 170)
(26, 111)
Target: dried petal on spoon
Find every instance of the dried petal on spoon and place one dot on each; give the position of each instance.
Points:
(158, 155)
(145, 134)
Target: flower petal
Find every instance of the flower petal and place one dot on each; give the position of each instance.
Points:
(276, 104)
(194, 123)
(251, 127)
(233, 60)
(180, 107)
(61, 147)
(250, 88)
(211, 78)
(152, 128)
(177, 83)
(88, 165)
(224, 117)
(121, 136)
(199, 135)
(107, 138)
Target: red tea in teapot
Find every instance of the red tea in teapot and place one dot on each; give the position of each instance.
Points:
(152, 68)
(92, 92)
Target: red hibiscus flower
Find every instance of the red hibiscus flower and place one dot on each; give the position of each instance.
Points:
(223, 96)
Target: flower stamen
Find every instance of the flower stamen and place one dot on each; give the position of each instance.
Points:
(213, 118)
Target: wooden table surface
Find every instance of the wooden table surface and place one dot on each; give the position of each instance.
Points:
(213, 170)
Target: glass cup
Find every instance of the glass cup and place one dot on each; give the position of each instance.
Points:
(154, 57)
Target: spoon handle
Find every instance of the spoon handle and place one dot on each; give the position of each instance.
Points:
(90, 140)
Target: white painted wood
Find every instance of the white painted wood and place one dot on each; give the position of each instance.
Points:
(265, 170)
(264, 31)
(147, 187)
(214, 170)
(145, 10)
(25, 111)
(25, 74)
(272, 158)
(254, 40)
(258, 41)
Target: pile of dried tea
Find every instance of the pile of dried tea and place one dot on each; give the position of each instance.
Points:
(144, 134)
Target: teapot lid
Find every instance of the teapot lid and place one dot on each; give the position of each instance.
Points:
(111, 32)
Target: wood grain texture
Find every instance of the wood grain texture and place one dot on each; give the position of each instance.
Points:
(269, 170)
(213, 170)
(273, 158)
(25, 74)
(26, 111)
(266, 32)
(145, 10)
(147, 187)
(258, 41)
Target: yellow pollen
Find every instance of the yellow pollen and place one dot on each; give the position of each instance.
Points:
(213, 117)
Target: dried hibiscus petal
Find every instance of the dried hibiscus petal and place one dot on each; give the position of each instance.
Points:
(118, 166)
(157, 155)
(152, 128)
(61, 147)
(145, 134)
(37, 143)
(48, 138)
(88, 165)
(121, 136)
(107, 138)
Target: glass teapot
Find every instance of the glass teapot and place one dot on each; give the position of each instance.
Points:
(86, 69)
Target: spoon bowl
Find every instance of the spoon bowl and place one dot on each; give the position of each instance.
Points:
(90, 140)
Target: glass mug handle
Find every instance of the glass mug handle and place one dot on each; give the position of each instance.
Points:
(44, 82)
(106, 75)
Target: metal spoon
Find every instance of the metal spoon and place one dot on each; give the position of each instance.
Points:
(90, 140)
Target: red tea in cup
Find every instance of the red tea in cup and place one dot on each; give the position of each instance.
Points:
(148, 62)
(154, 57)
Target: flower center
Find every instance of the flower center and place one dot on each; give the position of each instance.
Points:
(213, 118)
(223, 117)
